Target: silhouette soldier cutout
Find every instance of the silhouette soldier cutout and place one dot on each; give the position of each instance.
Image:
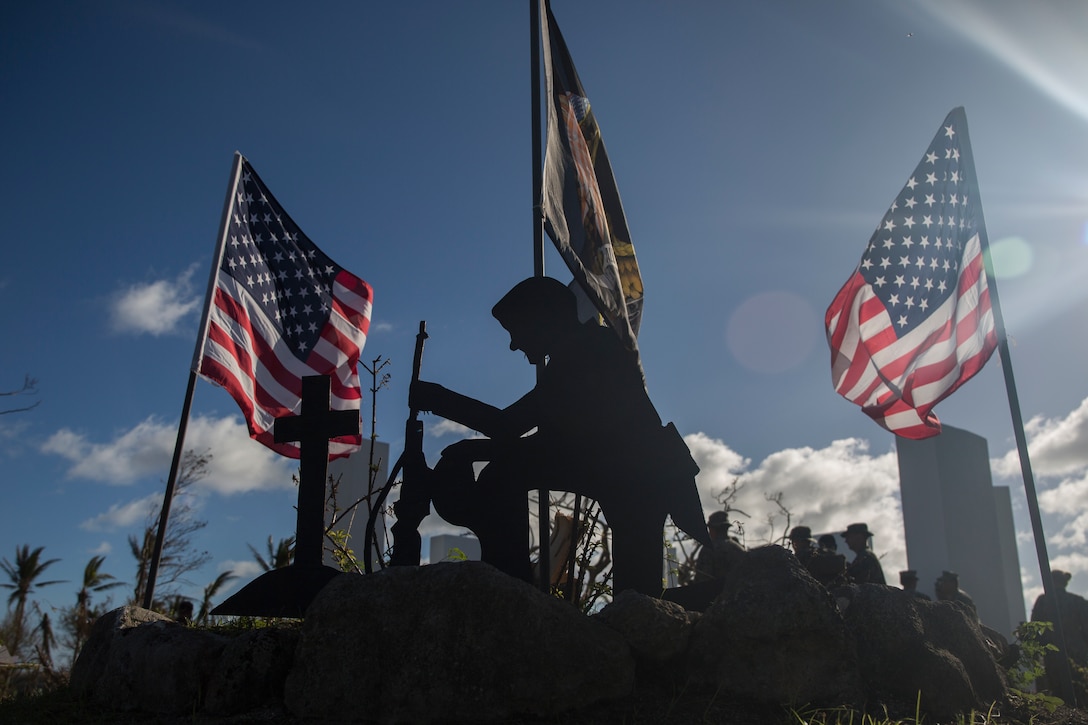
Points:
(588, 427)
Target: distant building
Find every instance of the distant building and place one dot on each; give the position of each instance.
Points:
(352, 475)
(450, 547)
(956, 520)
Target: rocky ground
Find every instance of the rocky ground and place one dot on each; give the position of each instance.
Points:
(452, 649)
(646, 708)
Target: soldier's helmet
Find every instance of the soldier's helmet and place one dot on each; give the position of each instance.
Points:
(536, 300)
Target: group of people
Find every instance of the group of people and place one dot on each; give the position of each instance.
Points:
(828, 566)
(821, 557)
(946, 588)
(823, 561)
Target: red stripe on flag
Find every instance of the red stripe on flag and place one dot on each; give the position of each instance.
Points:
(257, 366)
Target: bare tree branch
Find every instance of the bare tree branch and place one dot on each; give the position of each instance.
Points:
(29, 387)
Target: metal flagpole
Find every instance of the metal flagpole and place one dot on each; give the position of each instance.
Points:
(1029, 482)
(175, 463)
(536, 11)
(168, 496)
(1018, 422)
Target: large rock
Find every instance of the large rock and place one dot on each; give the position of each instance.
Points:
(657, 631)
(774, 634)
(156, 666)
(908, 646)
(95, 654)
(251, 670)
(450, 642)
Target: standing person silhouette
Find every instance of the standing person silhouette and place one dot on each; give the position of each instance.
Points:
(587, 427)
(865, 568)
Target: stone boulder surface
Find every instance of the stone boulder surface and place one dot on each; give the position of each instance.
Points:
(908, 646)
(657, 631)
(450, 642)
(774, 634)
(136, 660)
(251, 670)
(460, 642)
(96, 652)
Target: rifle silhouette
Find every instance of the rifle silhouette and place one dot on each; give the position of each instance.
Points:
(415, 501)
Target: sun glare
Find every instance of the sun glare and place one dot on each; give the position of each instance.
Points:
(1038, 41)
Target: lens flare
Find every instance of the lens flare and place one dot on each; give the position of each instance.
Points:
(772, 332)
(1012, 257)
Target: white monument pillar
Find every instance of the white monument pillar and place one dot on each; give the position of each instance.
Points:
(955, 520)
(353, 474)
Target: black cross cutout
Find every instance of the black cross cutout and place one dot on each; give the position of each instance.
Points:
(313, 428)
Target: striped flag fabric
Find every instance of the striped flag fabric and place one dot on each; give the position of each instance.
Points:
(914, 321)
(583, 214)
(280, 309)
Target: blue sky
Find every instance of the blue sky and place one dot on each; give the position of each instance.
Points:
(756, 147)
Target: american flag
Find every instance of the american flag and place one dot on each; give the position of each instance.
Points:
(582, 210)
(281, 309)
(914, 321)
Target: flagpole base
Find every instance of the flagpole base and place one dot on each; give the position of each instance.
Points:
(285, 592)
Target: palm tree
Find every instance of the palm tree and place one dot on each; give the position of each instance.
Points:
(94, 580)
(141, 551)
(49, 640)
(23, 574)
(279, 556)
(210, 591)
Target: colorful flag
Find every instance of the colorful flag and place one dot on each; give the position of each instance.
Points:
(914, 322)
(582, 210)
(280, 310)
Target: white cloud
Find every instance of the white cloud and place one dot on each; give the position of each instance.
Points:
(102, 549)
(1071, 519)
(244, 569)
(1056, 446)
(719, 466)
(134, 454)
(155, 307)
(238, 463)
(448, 427)
(1067, 498)
(126, 515)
